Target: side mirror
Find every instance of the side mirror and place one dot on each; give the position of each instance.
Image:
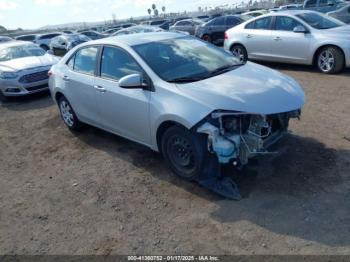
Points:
(299, 29)
(50, 52)
(330, 3)
(132, 81)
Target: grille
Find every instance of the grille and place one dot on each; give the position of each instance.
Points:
(34, 88)
(34, 77)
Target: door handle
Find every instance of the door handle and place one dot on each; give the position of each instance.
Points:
(277, 38)
(65, 78)
(249, 36)
(100, 88)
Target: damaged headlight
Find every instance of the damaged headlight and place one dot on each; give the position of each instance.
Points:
(239, 136)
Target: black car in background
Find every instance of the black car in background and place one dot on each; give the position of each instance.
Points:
(60, 45)
(214, 30)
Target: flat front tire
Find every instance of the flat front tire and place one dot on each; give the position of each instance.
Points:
(330, 60)
(68, 115)
(184, 152)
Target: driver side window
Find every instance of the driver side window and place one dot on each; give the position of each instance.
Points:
(117, 63)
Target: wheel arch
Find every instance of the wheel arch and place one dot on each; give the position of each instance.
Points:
(314, 58)
(161, 130)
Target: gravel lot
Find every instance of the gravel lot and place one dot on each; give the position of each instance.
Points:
(96, 193)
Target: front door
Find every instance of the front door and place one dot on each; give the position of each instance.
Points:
(287, 45)
(123, 111)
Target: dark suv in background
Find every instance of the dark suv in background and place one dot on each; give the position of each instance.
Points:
(214, 30)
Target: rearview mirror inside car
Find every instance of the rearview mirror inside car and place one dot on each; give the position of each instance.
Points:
(299, 29)
(132, 81)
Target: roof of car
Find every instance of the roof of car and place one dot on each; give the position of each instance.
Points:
(294, 12)
(140, 38)
(15, 43)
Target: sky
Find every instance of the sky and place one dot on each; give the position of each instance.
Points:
(31, 14)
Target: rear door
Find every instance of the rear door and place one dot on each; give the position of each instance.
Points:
(79, 83)
(123, 111)
(288, 46)
(257, 38)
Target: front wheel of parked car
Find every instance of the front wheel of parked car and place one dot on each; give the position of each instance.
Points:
(330, 60)
(240, 52)
(184, 152)
(68, 115)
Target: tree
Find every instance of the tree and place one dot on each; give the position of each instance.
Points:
(156, 12)
(163, 9)
(153, 7)
(149, 10)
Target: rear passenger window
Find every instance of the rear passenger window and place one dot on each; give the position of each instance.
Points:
(250, 25)
(85, 60)
(231, 21)
(117, 63)
(260, 24)
(263, 23)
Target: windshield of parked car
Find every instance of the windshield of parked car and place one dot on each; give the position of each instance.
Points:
(186, 59)
(77, 37)
(320, 21)
(15, 52)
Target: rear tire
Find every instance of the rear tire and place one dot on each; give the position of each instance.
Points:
(184, 151)
(68, 115)
(330, 60)
(240, 52)
(206, 38)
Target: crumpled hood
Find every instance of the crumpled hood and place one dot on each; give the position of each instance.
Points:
(250, 88)
(19, 64)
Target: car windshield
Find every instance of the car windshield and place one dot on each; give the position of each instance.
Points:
(73, 38)
(186, 59)
(320, 21)
(15, 52)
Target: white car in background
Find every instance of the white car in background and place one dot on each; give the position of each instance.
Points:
(295, 36)
(23, 69)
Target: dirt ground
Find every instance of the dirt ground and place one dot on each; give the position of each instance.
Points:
(96, 193)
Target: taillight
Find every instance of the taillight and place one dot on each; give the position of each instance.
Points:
(226, 36)
(49, 73)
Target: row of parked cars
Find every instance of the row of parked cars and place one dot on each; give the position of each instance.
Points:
(292, 36)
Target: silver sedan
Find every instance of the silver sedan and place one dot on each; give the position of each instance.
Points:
(301, 37)
(23, 68)
(190, 100)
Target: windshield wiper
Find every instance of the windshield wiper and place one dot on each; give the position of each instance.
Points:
(224, 69)
(185, 79)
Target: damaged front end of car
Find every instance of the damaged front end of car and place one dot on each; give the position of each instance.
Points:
(234, 137)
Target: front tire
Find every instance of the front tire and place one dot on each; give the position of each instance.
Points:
(185, 152)
(68, 115)
(330, 60)
(240, 53)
